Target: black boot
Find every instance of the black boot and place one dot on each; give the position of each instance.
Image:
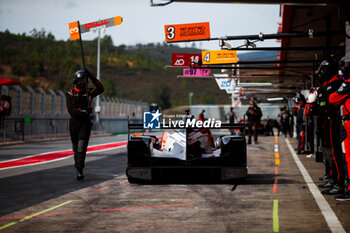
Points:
(325, 177)
(79, 175)
(335, 189)
(328, 184)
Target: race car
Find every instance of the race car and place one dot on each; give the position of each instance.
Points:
(190, 149)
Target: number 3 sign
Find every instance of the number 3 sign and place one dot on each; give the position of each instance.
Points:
(74, 31)
(184, 32)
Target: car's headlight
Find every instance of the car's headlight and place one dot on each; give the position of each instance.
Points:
(218, 143)
(146, 140)
(226, 140)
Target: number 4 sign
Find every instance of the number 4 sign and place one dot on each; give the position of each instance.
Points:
(219, 57)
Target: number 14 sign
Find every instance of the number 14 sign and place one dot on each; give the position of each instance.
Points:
(184, 59)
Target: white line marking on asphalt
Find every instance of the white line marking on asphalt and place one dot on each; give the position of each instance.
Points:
(58, 151)
(55, 160)
(327, 212)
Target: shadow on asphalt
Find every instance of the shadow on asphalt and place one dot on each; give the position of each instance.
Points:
(202, 177)
(268, 179)
(22, 191)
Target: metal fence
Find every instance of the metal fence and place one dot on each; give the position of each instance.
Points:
(37, 113)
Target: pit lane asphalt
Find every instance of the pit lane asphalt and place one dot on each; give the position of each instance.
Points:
(45, 198)
(30, 185)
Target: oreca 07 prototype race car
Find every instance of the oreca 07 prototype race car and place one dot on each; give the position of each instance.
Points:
(190, 149)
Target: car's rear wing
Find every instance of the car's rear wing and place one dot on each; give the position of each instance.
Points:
(223, 126)
(240, 126)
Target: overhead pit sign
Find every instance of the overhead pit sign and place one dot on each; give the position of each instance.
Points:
(75, 29)
(225, 83)
(196, 72)
(183, 32)
(219, 57)
(184, 59)
(233, 91)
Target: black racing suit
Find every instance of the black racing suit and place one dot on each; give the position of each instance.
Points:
(335, 122)
(254, 115)
(284, 119)
(301, 127)
(79, 108)
(232, 116)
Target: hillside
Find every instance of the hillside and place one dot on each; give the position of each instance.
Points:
(130, 72)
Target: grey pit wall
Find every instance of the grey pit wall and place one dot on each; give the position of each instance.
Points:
(37, 113)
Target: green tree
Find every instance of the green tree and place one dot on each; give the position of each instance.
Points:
(207, 99)
(106, 43)
(121, 49)
(109, 87)
(162, 96)
(203, 98)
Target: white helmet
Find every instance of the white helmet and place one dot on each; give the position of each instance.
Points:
(311, 98)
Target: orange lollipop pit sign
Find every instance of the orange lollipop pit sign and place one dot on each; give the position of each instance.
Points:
(74, 31)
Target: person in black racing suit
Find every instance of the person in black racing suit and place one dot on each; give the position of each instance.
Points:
(254, 115)
(79, 107)
(326, 71)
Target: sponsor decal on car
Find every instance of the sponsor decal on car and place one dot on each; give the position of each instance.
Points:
(192, 123)
(152, 120)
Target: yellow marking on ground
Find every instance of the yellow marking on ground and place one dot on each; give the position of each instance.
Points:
(277, 161)
(158, 199)
(47, 210)
(276, 227)
(7, 225)
(36, 214)
(258, 200)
